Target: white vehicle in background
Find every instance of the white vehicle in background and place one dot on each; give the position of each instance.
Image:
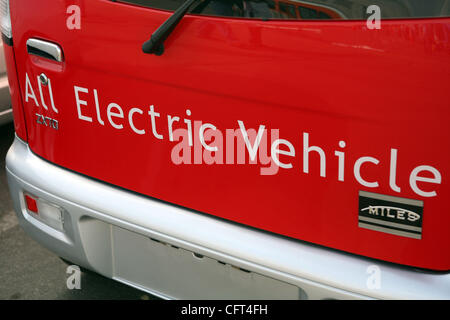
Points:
(5, 99)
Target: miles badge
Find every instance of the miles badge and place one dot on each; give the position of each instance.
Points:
(399, 216)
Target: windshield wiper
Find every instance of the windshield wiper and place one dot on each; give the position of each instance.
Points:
(155, 44)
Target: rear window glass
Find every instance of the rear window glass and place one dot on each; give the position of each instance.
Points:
(307, 10)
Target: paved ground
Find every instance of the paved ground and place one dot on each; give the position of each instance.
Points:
(29, 271)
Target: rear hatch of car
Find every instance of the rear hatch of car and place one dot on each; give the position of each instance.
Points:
(308, 119)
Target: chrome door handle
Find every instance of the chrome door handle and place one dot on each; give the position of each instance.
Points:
(44, 49)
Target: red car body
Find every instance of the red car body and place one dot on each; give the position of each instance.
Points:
(374, 102)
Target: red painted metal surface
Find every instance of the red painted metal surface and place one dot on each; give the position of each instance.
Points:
(376, 90)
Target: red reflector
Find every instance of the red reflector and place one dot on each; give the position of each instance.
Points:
(31, 204)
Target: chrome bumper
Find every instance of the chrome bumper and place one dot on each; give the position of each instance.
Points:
(176, 253)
